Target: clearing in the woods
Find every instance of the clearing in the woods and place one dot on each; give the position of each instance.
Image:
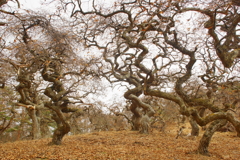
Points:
(124, 145)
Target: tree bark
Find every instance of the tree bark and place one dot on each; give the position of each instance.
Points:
(136, 122)
(207, 136)
(140, 121)
(36, 131)
(44, 129)
(145, 124)
(59, 134)
(62, 128)
(59, 101)
(195, 127)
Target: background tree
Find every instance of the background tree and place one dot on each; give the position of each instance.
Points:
(7, 109)
(47, 70)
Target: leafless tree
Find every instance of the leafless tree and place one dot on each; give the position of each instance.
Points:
(156, 47)
(47, 70)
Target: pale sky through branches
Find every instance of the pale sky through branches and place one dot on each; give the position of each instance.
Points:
(43, 4)
(49, 7)
(30, 4)
(189, 26)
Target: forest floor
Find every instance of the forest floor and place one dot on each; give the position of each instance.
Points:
(124, 145)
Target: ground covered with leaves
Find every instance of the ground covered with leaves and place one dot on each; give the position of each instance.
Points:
(124, 145)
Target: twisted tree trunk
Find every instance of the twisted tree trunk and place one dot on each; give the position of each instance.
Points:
(145, 124)
(59, 101)
(29, 100)
(195, 127)
(136, 122)
(141, 119)
(36, 131)
(207, 136)
(62, 128)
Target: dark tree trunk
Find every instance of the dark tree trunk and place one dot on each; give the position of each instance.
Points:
(136, 122)
(195, 127)
(62, 128)
(206, 138)
(59, 134)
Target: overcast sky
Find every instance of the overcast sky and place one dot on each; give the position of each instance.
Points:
(46, 4)
(29, 4)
